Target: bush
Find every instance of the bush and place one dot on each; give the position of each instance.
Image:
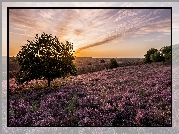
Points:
(113, 63)
(102, 61)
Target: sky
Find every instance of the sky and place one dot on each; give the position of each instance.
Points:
(106, 33)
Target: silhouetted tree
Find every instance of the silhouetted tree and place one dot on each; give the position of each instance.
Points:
(45, 58)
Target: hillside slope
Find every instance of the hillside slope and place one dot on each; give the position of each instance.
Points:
(125, 96)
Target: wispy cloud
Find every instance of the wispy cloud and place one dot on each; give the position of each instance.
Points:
(149, 40)
(136, 23)
(161, 26)
(23, 21)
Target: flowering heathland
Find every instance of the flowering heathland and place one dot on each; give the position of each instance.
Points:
(124, 96)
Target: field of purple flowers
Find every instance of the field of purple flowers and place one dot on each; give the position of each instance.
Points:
(124, 96)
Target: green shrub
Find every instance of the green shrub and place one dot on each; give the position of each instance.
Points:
(141, 91)
(113, 63)
(89, 63)
(102, 61)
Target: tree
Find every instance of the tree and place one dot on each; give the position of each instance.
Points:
(147, 55)
(166, 50)
(45, 58)
(157, 57)
(113, 63)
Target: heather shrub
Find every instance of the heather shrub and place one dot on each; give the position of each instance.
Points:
(138, 97)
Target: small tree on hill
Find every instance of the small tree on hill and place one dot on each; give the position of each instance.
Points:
(113, 63)
(147, 55)
(45, 58)
(102, 61)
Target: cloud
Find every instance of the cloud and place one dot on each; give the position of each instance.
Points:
(101, 42)
(162, 26)
(111, 37)
(123, 13)
(25, 22)
(83, 23)
(47, 13)
(137, 24)
(22, 18)
(30, 18)
(149, 40)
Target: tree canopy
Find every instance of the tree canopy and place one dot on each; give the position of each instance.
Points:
(45, 58)
(166, 50)
(157, 57)
(154, 55)
(147, 58)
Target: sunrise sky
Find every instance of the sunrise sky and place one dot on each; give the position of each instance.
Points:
(122, 33)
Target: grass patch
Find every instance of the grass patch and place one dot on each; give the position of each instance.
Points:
(141, 91)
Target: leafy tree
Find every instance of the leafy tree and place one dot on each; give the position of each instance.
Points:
(45, 58)
(157, 57)
(166, 50)
(147, 55)
(113, 63)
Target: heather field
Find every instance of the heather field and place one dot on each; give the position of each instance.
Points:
(137, 95)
